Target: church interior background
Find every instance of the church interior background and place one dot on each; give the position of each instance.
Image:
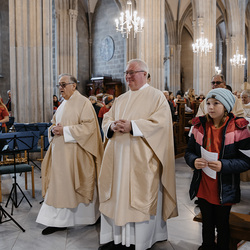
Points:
(41, 39)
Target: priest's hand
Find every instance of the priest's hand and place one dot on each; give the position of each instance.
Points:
(124, 126)
(114, 126)
(58, 129)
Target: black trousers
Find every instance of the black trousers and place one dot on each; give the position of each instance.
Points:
(215, 216)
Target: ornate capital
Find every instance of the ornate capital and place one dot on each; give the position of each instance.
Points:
(233, 39)
(227, 41)
(200, 21)
(73, 13)
(57, 14)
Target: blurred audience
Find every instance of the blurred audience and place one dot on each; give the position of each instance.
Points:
(56, 103)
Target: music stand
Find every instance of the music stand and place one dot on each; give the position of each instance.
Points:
(17, 142)
(3, 213)
(19, 127)
(46, 140)
(33, 128)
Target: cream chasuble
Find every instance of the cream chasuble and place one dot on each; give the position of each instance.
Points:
(133, 166)
(63, 175)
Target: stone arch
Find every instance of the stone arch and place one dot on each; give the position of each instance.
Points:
(232, 17)
(186, 31)
(185, 15)
(170, 27)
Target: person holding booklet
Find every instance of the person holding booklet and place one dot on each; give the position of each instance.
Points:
(218, 151)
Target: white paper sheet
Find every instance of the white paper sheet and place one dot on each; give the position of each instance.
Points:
(245, 152)
(209, 156)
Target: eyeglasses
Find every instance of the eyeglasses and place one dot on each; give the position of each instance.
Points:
(63, 84)
(132, 72)
(217, 83)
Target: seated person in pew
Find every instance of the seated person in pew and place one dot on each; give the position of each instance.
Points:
(166, 93)
(216, 176)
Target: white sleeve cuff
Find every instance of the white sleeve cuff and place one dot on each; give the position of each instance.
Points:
(67, 135)
(136, 130)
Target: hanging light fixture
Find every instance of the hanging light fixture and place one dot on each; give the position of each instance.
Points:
(128, 21)
(217, 70)
(238, 59)
(202, 45)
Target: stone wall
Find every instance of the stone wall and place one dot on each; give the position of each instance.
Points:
(104, 34)
(4, 50)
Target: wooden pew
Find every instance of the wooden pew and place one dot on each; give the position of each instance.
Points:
(239, 228)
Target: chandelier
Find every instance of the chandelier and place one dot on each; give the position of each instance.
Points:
(217, 70)
(128, 21)
(202, 45)
(238, 59)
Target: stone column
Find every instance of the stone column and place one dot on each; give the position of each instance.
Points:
(236, 39)
(151, 43)
(248, 63)
(73, 42)
(169, 62)
(48, 73)
(31, 60)
(228, 65)
(220, 53)
(66, 37)
(1, 44)
(204, 65)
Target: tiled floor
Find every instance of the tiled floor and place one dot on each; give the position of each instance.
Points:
(184, 234)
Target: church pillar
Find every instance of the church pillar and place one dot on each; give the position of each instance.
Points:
(235, 75)
(204, 65)
(31, 60)
(220, 53)
(151, 43)
(131, 46)
(1, 68)
(178, 79)
(173, 59)
(248, 63)
(66, 13)
(229, 45)
(73, 42)
(236, 39)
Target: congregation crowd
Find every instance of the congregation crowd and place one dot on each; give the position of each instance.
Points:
(113, 158)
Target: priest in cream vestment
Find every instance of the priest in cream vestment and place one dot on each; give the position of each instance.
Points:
(137, 178)
(70, 166)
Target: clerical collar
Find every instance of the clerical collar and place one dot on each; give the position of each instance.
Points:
(144, 86)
